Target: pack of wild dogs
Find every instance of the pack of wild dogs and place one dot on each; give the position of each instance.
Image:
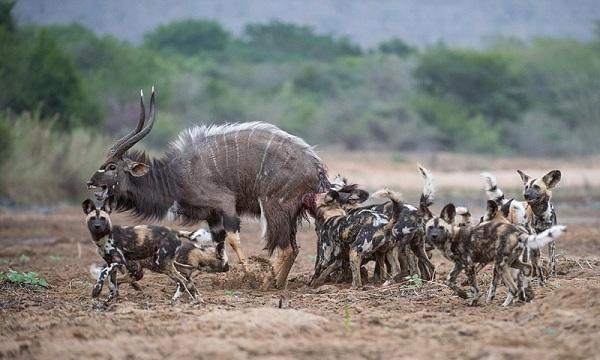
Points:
(398, 237)
(218, 173)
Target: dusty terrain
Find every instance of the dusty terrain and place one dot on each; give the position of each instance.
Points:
(238, 321)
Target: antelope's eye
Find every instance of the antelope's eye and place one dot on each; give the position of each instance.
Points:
(112, 167)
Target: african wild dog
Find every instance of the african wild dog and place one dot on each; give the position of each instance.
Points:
(494, 240)
(347, 239)
(197, 253)
(157, 246)
(536, 212)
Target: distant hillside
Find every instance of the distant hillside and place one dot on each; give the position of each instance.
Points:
(458, 22)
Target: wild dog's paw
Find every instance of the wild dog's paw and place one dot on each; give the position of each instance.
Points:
(96, 290)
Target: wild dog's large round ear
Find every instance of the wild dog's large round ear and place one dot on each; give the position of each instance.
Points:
(491, 208)
(88, 206)
(426, 212)
(448, 213)
(108, 205)
(505, 209)
(552, 178)
(332, 195)
(524, 177)
(357, 196)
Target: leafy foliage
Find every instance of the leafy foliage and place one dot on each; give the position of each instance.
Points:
(188, 37)
(396, 46)
(25, 278)
(484, 82)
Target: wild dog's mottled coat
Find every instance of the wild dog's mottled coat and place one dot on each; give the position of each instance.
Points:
(156, 246)
(348, 239)
(495, 240)
(536, 212)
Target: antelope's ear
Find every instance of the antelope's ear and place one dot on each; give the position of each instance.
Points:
(524, 177)
(108, 205)
(88, 206)
(491, 209)
(448, 213)
(136, 168)
(552, 178)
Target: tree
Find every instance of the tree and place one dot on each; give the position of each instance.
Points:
(6, 20)
(484, 82)
(188, 37)
(280, 41)
(396, 46)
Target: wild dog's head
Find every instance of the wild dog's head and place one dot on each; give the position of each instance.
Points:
(539, 189)
(349, 194)
(439, 229)
(98, 220)
(117, 169)
(328, 205)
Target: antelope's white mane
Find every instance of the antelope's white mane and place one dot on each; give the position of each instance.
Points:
(200, 133)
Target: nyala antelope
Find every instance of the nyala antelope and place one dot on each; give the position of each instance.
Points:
(218, 173)
(354, 238)
(536, 212)
(494, 240)
(120, 246)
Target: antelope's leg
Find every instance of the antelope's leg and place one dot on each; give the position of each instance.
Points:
(287, 258)
(233, 239)
(231, 225)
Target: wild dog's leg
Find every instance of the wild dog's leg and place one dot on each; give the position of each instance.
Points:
(392, 258)
(536, 264)
(355, 267)
(403, 260)
(508, 280)
(493, 284)
(523, 275)
(112, 285)
(97, 289)
(552, 257)
(419, 251)
(182, 283)
(380, 266)
(451, 281)
(472, 276)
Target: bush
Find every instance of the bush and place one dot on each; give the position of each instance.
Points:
(46, 166)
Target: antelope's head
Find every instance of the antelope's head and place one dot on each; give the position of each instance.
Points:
(118, 169)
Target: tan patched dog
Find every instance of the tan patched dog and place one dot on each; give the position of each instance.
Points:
(494, 240)
(121, 246)
(536, 212)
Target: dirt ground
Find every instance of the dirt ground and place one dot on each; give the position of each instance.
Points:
(331, 322)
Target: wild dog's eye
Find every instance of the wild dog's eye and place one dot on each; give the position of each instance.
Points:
(536, 187)
(112, 167)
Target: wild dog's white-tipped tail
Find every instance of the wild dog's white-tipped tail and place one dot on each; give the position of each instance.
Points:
(95, 270)
(386, 193)
(491, 188)
(465, 214)
(545, 237)
(428, 187)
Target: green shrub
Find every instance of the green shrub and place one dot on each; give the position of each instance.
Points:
(24, 278)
